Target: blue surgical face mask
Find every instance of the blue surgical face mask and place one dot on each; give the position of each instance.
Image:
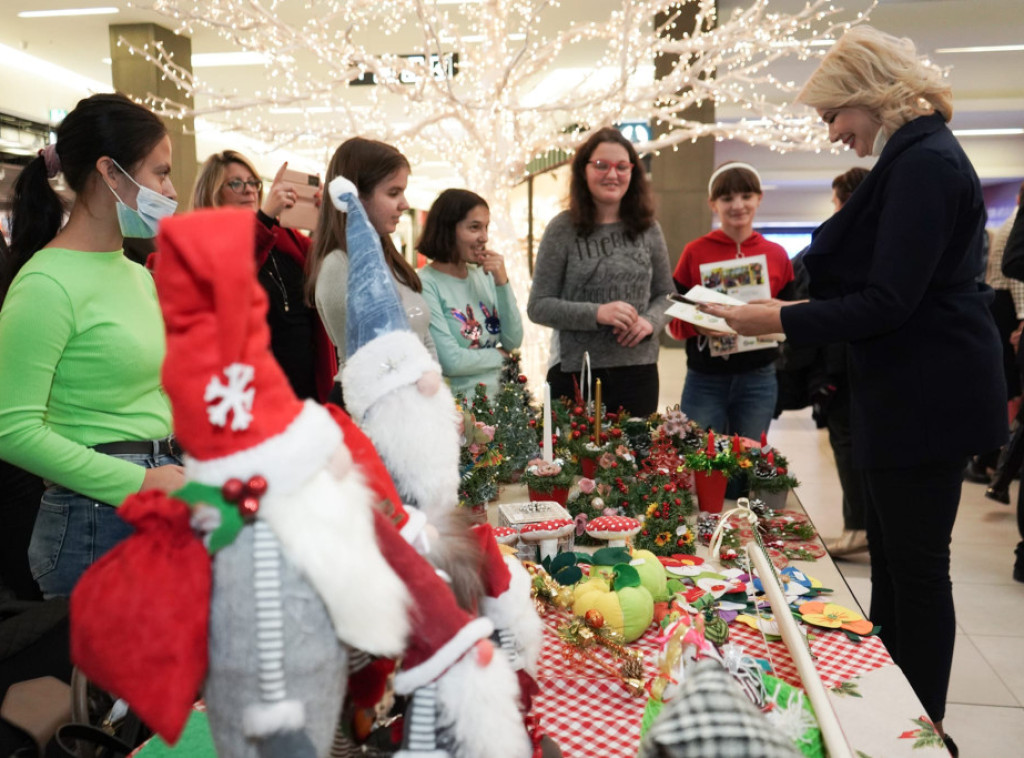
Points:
(152, 206)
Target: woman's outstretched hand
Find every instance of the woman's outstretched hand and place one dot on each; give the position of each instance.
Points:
(751, 320)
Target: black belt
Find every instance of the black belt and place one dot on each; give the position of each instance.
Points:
(165, 446)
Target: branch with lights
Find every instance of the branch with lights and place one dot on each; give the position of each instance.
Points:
(492, 114)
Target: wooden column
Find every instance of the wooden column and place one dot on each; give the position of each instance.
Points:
(680, 177)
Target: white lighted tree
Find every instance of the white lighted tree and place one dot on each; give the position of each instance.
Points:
(528, 78)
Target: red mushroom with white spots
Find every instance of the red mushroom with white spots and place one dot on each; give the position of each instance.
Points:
(506, 535)
(547, 533)
(615, 529)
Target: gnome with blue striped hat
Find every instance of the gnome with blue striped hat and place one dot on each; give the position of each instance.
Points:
(394, 392)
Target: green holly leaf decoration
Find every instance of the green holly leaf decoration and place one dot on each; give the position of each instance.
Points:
(561, 561)
(611, 556)
(848, 688)
(625, 576)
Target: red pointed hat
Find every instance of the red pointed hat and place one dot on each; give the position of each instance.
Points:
(235, 413)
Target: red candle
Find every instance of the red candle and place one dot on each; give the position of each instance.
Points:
(711, 444)
(764, 440)
(736, 444)
(771, 457)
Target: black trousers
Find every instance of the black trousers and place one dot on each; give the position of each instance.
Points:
(838, 421)
(634, 388)
(909, 517)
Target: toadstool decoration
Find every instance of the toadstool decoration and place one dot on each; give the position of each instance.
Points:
(547, 533)
(615, 529)
(506, 535)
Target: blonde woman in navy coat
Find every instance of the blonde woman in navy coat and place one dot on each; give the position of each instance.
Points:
(893, 274)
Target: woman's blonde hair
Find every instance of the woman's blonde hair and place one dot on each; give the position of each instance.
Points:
(881, 73)
(205, 193)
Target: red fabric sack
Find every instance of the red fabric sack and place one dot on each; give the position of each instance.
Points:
(139, 614)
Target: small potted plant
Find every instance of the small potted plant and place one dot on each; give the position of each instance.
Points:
(548, 480)
(770, 481)
(711, 466)
(684, 433)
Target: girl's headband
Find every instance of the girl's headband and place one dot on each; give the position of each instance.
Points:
(730, 167)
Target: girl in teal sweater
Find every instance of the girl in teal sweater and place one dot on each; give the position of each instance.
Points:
(474, 319)
(81, 336)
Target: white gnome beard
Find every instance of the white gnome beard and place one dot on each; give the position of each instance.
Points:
(416, 437)
(326, 528)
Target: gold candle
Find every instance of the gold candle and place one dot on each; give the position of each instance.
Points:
(597, 413)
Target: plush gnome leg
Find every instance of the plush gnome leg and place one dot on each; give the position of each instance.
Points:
(508, 603)
(266, 699)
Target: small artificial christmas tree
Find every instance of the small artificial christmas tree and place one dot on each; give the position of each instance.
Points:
(515, 436)
(480, 458)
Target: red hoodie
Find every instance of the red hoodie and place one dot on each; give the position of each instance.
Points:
(717, 246)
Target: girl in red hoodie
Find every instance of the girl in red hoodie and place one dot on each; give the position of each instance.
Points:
(731, 391)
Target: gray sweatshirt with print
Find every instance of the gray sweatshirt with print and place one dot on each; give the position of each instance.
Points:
(573, 275)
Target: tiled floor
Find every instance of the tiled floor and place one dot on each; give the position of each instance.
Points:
(985, 712)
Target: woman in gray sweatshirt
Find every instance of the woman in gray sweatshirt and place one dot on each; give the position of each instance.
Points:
(602, 276)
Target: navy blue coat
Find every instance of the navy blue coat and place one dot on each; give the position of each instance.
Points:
(893, 274)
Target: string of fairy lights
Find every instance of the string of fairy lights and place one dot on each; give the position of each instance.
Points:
(489, 85)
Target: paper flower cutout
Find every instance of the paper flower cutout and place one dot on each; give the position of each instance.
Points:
(834, 616)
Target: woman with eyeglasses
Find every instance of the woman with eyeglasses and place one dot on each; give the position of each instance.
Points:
(602, 276)
(82, 337)
(297, 338)
(730, 385)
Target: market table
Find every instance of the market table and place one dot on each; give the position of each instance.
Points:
(591, 715)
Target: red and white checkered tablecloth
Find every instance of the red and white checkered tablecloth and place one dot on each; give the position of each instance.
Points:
(591, 715)
(836, 657)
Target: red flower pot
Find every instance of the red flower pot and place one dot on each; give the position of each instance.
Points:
(710, 490)
(588, 467)
(558, 494)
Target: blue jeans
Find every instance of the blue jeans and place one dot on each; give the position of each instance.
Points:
(731, 403)
(72, 531)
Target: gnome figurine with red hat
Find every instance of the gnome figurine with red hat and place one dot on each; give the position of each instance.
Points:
(392, 386)
(287, 495)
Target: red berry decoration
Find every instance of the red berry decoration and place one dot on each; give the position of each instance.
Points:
(616, 432)
(533, 423)
(576, 434)
(257, 486)
(578, 410)
(522, 378)
(248, 507)
(594, 618)
(232, 490)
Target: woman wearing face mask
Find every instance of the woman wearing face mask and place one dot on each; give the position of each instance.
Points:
(81, 336)
(297, 338)
(725, 390)
(894, 274)
(474, 319)
(381, 174)
(602, 276)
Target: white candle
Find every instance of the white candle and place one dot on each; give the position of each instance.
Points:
(547, 423)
